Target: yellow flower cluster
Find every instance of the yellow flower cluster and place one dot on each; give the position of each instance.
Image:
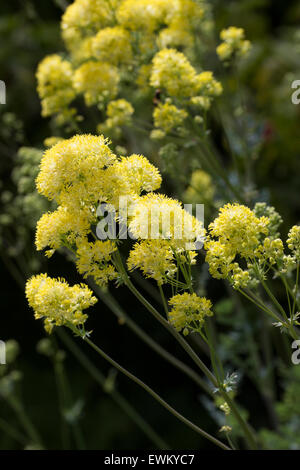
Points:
(238, 234)
(168, 236)
(201, 189)
(79, 174)
(293, 241)
(60, 227)
(93, 260)
(155, 259)
(207, 87)
(141, 175)
(175, 36)
(189, 312)
(238, 226)
(119, 114)
(234, 43)
(72, 172)
(142, 15)
(112, 45)
(158, 217)
(150, 15)
(55, 88)
(58, 303)
(271, 250)
(167, 116)
(173, 72)
(83, 18)
(97, 81)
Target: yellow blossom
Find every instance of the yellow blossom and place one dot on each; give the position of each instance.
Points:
(112, 45)
(174, 37)
(140, 174)
(173, 72)
(225, 429)
(58, 303)
(240, 235)
(60, 227)
(293, 241)
(96, 81)
(55, 89)
(189, 311)
(84, 18)
(207, 86)
(142, 15)
(201, 188)
(93, 259)
(234, 42)
(72, 172)
(154, 258)
(50, 141)
(238, 226)
(167, 116)
(156, 216)
(119, 113)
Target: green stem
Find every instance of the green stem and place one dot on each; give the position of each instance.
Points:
(156, 396)
(65, 434)
(12, 432)
(121, 315)
(116, 396)
(25, 421)
(296, 290)
(247, 431)
(163, 300)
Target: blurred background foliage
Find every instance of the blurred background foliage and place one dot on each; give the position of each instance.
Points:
(104, 412)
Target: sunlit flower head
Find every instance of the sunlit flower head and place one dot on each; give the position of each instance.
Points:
(96, 81)
(57, 303)
(55, 89)
(173, 72)
(112, 45)
(189, 311)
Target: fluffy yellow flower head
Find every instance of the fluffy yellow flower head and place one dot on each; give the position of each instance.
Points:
(167, 116)
(142, 14)
(84, 18)
(207, 85)
(140, 174)
(240, 234)
(55, 89)
(271, 250)
(201, 188)
(80, 173)
(60, 227)
(119, 113)
(96, 81)
(57, 302)
(232, 34)
(156, 216)
(238, 226)
(189, 312)
(149, 15)
(293, 241)
(154, 258)
(112, 45)
(73, 170)
(173, 72)
(234, 42)
(93, 259)
(174, 37)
